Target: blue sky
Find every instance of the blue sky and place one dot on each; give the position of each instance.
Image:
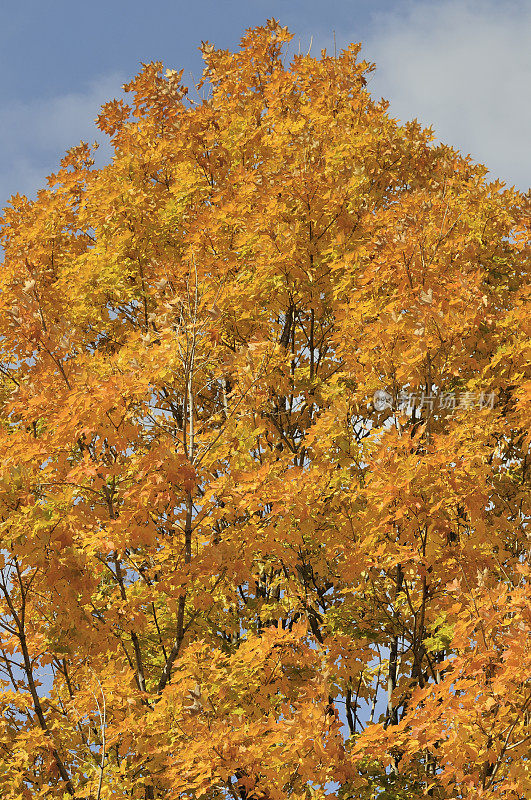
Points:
(463, 66)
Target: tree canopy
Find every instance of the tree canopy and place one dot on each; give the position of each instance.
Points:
(264, 451)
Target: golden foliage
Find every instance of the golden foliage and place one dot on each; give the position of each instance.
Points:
(213, 539)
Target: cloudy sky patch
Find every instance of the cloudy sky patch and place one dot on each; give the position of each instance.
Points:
(34, 135)
(464, 68)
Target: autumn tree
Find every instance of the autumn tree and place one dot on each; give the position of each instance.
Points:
(264, 437)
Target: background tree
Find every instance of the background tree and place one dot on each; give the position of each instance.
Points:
(244, 577)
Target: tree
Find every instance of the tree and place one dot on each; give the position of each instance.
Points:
(264, 440)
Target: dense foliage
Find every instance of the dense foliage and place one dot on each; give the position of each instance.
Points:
(230, 569)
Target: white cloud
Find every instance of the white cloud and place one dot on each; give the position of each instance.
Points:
(463, 67)
(34, 136)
